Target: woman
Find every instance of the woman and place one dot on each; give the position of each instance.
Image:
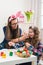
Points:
(13, 34)
(33, 43)
(13, 37)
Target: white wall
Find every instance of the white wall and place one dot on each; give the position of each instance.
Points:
(9, 7)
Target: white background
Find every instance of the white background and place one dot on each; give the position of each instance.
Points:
(10, 7)
(41, 14)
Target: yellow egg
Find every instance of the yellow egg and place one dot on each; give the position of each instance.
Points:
(20, 54)
(4, 56)
(17, 53)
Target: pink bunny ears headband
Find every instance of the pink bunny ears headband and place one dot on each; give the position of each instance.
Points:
(18, 16)
(12, 17)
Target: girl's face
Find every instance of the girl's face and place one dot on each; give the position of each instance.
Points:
(31, 33)
(14, 24)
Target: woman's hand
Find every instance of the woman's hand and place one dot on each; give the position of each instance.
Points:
(15, 40)
(27, 44)
(10, 43)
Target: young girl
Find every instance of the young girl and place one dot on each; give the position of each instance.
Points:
(33, 43)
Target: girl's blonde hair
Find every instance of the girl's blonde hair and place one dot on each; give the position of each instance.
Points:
(35, 39)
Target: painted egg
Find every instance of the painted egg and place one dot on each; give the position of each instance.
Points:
(20, 54)
(25, 49)
(18, 50)
(2, 53)
(17, 53)
(11, 54)
(28, 54)
(4, 56)
(24, 53)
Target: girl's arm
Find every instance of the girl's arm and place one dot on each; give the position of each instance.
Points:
(37, 51)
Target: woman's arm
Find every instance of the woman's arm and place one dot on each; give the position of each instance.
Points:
(13, 41)
(22, 38)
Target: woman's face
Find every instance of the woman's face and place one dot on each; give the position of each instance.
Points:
(14, 24)
(31, 33)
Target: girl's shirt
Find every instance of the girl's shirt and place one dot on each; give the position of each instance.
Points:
(38, 50)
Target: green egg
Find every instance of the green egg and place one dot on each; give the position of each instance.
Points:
(31, 52)
(18, 50)
(11, 54)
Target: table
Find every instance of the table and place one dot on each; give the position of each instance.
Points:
(12, 60)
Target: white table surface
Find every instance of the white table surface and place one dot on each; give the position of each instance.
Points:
(11, 60)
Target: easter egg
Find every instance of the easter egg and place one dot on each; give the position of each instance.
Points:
(28, 55)
(4, 56)
(1, 53)
(21, 50)
(20, 54)
(25, 49)
(24, 53)
(11, 53)
(17, 53)
(18, 50)
(30, 52)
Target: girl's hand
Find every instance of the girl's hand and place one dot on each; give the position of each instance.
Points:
(26, 35)
(10, 43)
(27, 44)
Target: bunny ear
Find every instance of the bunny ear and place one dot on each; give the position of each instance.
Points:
(12, 17)
(21, 16)
(18, 13)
